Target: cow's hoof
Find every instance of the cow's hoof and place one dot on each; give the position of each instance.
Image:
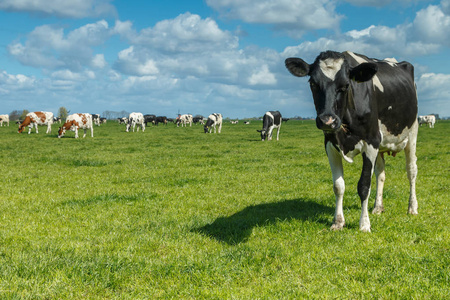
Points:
(378, 210)
(338, 223)
(412, 211)
(364, 228)
(336, 227)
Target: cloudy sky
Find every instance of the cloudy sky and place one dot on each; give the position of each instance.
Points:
(205, 56)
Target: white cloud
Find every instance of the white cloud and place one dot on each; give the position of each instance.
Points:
(292, 16)
(432, 26)
(65, 9)
(48, 47)
(263, 77)
(434, 92)
(185, 33)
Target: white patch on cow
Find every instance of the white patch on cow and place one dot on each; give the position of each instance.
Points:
(330, 67)
(391, 61)
(393, 143)
(358, 59)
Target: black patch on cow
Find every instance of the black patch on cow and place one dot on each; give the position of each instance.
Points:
(366, 176)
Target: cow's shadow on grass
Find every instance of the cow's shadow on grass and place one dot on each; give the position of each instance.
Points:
(238, 227)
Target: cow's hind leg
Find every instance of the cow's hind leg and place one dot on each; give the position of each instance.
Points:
(337, 170)
(411, 169)
(381, 177)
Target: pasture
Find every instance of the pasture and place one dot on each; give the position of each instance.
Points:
(176, 213)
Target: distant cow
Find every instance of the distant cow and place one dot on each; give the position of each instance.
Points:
(75, 122)
(246, 122)
(234, 122)
(149, 119)
(33, 119)
(198, 119)
(134, 119)
(184, 120)
(429, 119)
(4, 118)
(96, 119)
(366, 106)
(271, 120)
(161, 119)
(213, 121)
(57, 119)
(285, 119)
(122, 120)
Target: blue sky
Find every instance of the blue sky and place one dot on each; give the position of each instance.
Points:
(200, 57)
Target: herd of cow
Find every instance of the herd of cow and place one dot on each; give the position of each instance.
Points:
(363, 105)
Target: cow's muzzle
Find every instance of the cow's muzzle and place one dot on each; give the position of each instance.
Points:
(328, 122)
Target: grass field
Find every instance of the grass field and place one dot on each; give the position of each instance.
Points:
(173, 213)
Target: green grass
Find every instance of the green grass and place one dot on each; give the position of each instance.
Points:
(176, 213)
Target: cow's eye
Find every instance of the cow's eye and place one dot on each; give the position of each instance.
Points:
(342, 89)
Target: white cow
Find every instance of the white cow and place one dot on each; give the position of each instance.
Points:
(135, 118)
(213, 121)
(75, 122)
(37, 118)
(185, 119)
(428, 119)
(4, 118)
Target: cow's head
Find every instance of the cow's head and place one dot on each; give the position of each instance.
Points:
(263, 134)
(21, 128)
(331, 81)
(61, 132)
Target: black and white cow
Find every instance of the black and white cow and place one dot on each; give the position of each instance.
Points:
(149, 119)
(428, 119)
(161, 119)
(96, 119)
(213, 121)
(271, 120)
(365, 106)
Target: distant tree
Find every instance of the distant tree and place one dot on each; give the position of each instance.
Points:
(24, 114)
(15, 115)
(63, 113)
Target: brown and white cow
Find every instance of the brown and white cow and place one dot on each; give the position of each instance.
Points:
(4, 118)
(33, 119)
(366, 106)
(75, 122)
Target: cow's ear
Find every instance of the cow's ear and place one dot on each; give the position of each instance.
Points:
(363, 72)
(297, 66)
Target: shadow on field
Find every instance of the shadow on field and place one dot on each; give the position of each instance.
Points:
(238, 227)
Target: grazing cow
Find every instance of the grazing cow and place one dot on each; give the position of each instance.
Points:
(75, 122)
(213, 121)
(184, 120)
(122, 120)
(285, 119)
(246, 122)
(96, 119)
(37, 118)
(234, 122)
(136, 119)
(271, 120)
(57, 119)
(149, 119)
(4, 118)
(161, 119)
(365, 106)
(198, 119)
(429, 119)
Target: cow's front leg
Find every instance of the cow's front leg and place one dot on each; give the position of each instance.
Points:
(335, 160)
(381, 177)
(369, 158)
(76, 132)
